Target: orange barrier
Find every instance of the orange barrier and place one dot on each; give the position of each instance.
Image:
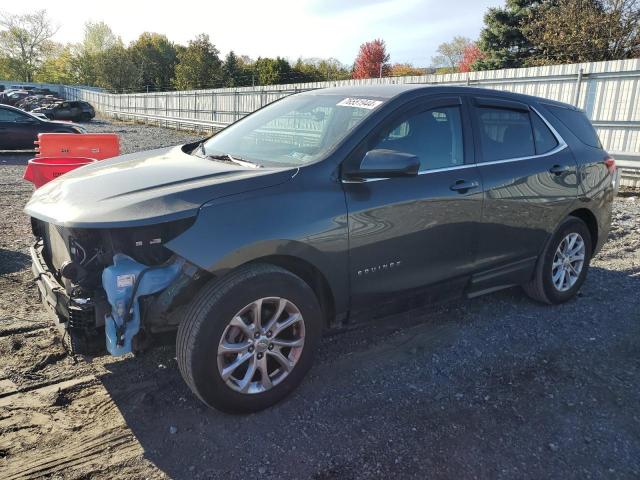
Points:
(42, 170)
(89, 145)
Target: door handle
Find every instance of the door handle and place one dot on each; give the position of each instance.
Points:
(462, 186)
(559, 169)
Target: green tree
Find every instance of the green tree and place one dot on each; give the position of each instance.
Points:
(450, 54)
(117, 70)
(199, 65)
(271, 71)
(573, 31)
(26, 42)
(319, 70)
(6, 70)
(232, 70)
(98, 38)
(502, 41)
(156, 57)
(58, 67)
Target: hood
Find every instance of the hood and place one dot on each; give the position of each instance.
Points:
(144, 188)
(65, 123)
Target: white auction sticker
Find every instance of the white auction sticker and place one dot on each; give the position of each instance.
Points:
(124, 281)
(359, 103)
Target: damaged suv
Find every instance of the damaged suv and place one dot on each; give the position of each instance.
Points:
(318, 207)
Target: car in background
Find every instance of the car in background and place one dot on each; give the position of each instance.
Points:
(1, 88)
(18, 129)
(76, 111)
(12, 97)
(22, 87)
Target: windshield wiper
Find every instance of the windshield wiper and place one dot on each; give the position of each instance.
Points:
(225, 157)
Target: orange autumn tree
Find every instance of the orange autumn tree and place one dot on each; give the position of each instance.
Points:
(372, 56)
(405, 69)
(470, 55)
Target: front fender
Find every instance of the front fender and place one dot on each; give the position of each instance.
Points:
(293, 220)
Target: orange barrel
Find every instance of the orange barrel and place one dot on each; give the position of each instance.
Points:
(44, 169)
(89, 145)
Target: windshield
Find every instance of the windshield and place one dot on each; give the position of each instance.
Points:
(293, 131)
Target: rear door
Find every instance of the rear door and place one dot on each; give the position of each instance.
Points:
(410, 232)
(75, 110)
(529, 178)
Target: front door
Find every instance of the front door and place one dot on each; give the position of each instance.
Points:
(62, 111)
(410, 232)
(17, 130)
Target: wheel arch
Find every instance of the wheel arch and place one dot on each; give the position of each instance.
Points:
(588, 217)
(311, 275)
(325, 274)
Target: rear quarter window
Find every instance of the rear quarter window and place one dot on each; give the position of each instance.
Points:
(578, 123)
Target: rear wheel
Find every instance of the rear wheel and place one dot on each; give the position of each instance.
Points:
(248, 339)
(562, 266)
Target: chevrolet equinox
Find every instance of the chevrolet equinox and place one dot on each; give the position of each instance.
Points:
(312, 209)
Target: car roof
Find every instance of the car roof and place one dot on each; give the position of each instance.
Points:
(9, 107)
(389, 91)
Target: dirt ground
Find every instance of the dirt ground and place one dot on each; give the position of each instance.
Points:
(495, 387)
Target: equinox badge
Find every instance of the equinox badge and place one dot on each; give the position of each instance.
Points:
(379, 268)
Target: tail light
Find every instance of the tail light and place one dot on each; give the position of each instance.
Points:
(610, 163)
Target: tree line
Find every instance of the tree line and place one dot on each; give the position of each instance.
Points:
(522, 33)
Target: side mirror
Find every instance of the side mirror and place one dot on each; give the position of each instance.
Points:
(387, 163)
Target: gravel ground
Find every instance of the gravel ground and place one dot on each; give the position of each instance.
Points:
(495, 387)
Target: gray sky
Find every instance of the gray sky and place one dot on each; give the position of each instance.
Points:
(412, 29)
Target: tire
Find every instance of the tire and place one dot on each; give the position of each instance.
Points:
(542, 287)
(207, 321)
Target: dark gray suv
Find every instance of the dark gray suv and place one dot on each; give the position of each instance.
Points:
(311, 212)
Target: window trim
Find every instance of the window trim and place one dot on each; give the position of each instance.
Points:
(561, 146)
(505, 104)
(561, 143)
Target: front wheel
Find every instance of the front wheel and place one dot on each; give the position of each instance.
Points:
(562, 266)
(248, 339)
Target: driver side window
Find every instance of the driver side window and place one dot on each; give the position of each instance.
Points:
(434, 136)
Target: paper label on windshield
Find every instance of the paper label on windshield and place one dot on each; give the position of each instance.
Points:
(359, 103)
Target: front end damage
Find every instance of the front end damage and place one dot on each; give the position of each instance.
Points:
(112, 287)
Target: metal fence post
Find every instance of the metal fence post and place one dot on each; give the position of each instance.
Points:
(576, 99)
(235, 105)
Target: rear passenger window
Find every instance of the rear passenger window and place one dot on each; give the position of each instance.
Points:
(434, 136)
(545, 140)
(505, 134)
(578, 123)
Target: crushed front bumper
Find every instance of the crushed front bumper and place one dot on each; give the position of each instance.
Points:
(78, 317)
(52, 293)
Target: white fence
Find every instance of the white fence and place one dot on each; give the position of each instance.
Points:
(609, 92)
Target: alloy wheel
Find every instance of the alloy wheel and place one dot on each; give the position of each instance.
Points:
(261, 345)
(568, 262)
